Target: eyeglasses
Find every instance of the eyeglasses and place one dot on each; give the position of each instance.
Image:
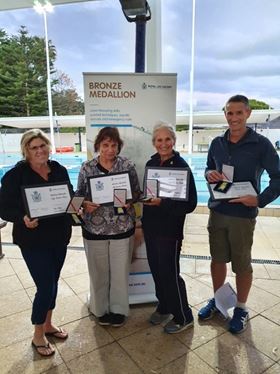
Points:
(37, 147)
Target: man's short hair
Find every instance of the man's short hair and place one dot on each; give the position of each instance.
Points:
(238, 99)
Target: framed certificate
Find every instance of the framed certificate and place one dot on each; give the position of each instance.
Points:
(237, 189)
(50, 199)
(102, 187)
(172, 182)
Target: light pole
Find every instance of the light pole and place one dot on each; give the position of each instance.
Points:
(191, 81)
(138, 11)
(44, 9)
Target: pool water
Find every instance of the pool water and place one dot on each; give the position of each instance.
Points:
(73, 161)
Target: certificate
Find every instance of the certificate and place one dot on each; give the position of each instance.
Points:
(102, 187)
(46, 200)
(172, 182)
(237, 189)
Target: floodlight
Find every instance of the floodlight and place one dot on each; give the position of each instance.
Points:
(40, 8)
(135, 10)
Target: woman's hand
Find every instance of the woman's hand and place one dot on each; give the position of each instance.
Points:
(30, 223)
(89, 206)
(156, 201)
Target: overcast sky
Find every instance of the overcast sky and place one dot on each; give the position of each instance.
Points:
(237, 47)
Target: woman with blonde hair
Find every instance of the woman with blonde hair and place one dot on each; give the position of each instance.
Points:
(43, 242)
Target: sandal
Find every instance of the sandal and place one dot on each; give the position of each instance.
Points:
(59, 334)
(46, 346)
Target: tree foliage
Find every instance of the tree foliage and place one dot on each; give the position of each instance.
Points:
(65, 98)
(256, 104)
(23, 78)
(23, 74)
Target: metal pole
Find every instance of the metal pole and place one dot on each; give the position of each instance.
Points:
(2, 224)
(80, 140)
(50, 107)
(140, 45)
(191, 82)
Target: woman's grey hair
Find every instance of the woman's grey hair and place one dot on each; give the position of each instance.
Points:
(164, 125)
(30, 135)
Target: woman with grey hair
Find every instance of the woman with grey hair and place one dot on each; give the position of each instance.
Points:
(43, 242)
(163, 222)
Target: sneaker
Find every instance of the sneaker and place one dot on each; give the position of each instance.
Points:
(173, 328)
(157, 318)
(104, 320)
(117, 320)
(208, 310)
(238, 323)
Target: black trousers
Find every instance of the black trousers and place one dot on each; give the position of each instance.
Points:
(44, 265)
(163, 257)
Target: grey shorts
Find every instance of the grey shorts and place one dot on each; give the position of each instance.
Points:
(231, 240)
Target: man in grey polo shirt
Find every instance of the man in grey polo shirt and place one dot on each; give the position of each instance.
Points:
(245, 155)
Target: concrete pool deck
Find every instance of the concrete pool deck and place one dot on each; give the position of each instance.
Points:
(138, 347)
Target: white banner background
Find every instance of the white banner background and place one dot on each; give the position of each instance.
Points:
(132, 102)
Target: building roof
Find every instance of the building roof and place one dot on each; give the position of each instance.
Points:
(199, 118)
(20, 4)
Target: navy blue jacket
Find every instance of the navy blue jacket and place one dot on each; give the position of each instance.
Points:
(167, 220)
(250, 156)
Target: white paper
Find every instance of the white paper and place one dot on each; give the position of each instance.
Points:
(225, 299)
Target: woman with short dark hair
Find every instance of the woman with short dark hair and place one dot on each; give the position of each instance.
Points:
(107, 236)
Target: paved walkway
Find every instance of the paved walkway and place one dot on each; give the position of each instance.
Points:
(138, 347)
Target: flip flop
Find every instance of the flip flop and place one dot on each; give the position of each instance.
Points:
(59, 334)
(46, 346)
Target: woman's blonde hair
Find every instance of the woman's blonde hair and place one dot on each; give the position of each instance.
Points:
(30, 135)
(164, 125)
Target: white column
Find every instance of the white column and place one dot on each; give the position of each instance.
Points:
(50, 107)
(153, 39)
(191, 81)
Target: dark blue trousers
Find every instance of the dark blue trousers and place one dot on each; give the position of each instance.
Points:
(44, 265)
(163, 256)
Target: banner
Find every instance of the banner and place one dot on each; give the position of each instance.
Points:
(132, 102)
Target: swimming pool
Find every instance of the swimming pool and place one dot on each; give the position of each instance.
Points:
(73, 161)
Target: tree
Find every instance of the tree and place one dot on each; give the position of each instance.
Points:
(66, 100)
(23, 78)
(256, 104)
(23, 74)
